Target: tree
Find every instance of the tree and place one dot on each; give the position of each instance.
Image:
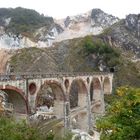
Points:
(122, 120)
(103, 51)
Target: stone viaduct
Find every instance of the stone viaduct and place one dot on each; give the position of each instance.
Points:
(88, 89)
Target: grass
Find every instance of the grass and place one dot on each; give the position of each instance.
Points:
(25, 56)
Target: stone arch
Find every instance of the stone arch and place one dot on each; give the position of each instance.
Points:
(107, 85)
(32, 88)
(77, 93)
(95, 88)
(17, 98)
(51, 96)
(95, 94)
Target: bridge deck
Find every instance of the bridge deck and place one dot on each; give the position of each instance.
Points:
(20, 76)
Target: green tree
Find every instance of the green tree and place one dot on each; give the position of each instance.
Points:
(23, 20)
(110, 56)
(88, 45)
(122, 121)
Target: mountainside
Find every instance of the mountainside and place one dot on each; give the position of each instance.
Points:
(21, 27)
(90, 23)
(126, 34)
(20, 20)
(74, 56)
(111, 44)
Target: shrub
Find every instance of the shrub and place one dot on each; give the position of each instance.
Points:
(122, 121)
(11, 130)
(103, 51)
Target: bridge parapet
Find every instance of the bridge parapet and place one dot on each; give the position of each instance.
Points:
(21, 76)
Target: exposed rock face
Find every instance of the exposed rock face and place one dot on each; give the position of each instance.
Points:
(132, 23)
(126, 34)
(49, 31)
(11, 41)
(90, 23)
(46, 37)
(101, 19)
(42, 38)
(22, 27)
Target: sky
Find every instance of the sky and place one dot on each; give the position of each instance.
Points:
(63, 8)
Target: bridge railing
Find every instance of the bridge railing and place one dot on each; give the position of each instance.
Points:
(21, 76)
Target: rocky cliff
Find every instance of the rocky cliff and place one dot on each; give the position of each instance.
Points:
(90, 23)
(125, 34)
(20, 28)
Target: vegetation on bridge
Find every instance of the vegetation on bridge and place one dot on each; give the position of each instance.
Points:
(122, 120)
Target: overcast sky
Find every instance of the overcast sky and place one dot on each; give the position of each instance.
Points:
(63, 8)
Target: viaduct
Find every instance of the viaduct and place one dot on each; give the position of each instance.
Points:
(88, 89)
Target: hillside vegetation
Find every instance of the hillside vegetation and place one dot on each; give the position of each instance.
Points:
(21, 20)
(86, 54)
(83, 54)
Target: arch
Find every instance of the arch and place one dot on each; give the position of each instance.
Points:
(77, 93)
(51, 96)
(66, 83)
(95, 88)
(107, 85)
(17, 98)
(32, 88)
(95, 95)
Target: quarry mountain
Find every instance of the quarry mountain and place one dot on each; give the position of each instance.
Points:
(93, 41)
(21, 28)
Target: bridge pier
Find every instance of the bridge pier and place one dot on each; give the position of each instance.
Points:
(67, 115)
(90, 115)
(102, 111)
